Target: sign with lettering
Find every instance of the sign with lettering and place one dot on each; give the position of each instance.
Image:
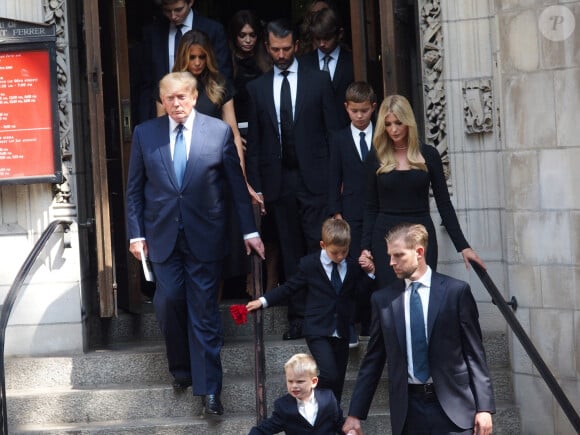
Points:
(29, 136)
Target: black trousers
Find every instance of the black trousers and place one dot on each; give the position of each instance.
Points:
(298, 215)
(331, 356)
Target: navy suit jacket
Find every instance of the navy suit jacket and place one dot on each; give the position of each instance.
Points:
(343, 77)
(456, 356)
(287, 419)
(155, 203)
(325, 311)
(156, 57)
(314, 117)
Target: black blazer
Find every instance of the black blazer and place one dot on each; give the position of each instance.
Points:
(347, 177)
(314, 117)
(287, 419)
(343, 77)
(456, 356)
(325, 311)
(156, 58)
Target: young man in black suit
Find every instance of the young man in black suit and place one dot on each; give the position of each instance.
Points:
(331, 281)
(292, 112)
(160, 42)
(427, 325)
(348, 150)
(331, 56)
(306, 408)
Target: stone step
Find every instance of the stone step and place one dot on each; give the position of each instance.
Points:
(506, 422)
(143, 327)
(142, 363)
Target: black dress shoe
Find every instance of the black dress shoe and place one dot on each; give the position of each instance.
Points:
(180, 385)
(293, 333)
(212, 404)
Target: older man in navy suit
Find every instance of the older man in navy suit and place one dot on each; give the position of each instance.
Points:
(427, 325)
(176, 216)
(292, 112)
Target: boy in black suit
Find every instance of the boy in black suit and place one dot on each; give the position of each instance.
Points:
(348, 150)
(330, 281)
(305, 409)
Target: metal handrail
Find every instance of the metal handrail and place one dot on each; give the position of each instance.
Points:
(528, 346)
(11, 298)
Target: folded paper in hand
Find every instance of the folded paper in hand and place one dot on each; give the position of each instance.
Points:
(147, 271)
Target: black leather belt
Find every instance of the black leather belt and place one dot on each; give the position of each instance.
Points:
(425, 389)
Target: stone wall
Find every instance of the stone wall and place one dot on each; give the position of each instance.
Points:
(511, 80)
(47, 318)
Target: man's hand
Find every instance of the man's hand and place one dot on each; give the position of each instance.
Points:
(366, 261)
(135, 248)
(255, 244)
(483, 424)
(352, 426)
(254, 305)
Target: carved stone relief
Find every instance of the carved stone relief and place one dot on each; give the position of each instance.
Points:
(433, 86)
(477, 106)
(54, 12)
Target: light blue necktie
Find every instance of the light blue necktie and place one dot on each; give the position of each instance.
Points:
(418, 338)
(179, 155)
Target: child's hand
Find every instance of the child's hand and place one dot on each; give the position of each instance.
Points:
(254, 305)
(366, 262)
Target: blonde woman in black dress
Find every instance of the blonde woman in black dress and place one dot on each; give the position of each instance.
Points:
(400, 171)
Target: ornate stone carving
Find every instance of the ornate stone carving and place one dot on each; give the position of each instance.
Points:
(433, 86)
(477, 106)
(54, 12)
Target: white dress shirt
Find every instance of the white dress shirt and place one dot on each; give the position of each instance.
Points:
(333, 60)
(308, 408)
(293, 81)
(187, 26)
(356, 136)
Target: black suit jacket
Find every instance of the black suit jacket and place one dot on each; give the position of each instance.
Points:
(347, 177)
(287, 419)
(155, 202)
(325, 311)
(156, 58)
(456, 355)
(314, 116)
(343, 77)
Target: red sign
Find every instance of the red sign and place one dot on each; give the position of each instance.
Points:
(26, 120)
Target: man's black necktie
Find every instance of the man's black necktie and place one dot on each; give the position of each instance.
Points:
(335, 278)
(364, 148)
(178, 35)
(289, 159)
(418, 337)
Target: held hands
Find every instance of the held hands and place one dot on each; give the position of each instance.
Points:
(483, 424)
(366, 261)
(352, 426)
(254, 305)
(469, 254)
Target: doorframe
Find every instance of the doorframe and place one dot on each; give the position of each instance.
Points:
(106, 283)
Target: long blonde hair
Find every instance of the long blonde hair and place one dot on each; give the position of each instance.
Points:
(384, 146)
(212, 81)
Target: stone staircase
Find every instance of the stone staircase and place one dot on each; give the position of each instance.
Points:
(123, 386)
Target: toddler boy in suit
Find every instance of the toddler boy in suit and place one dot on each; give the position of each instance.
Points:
(348, 150)
(305, 409)
(331, 281)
